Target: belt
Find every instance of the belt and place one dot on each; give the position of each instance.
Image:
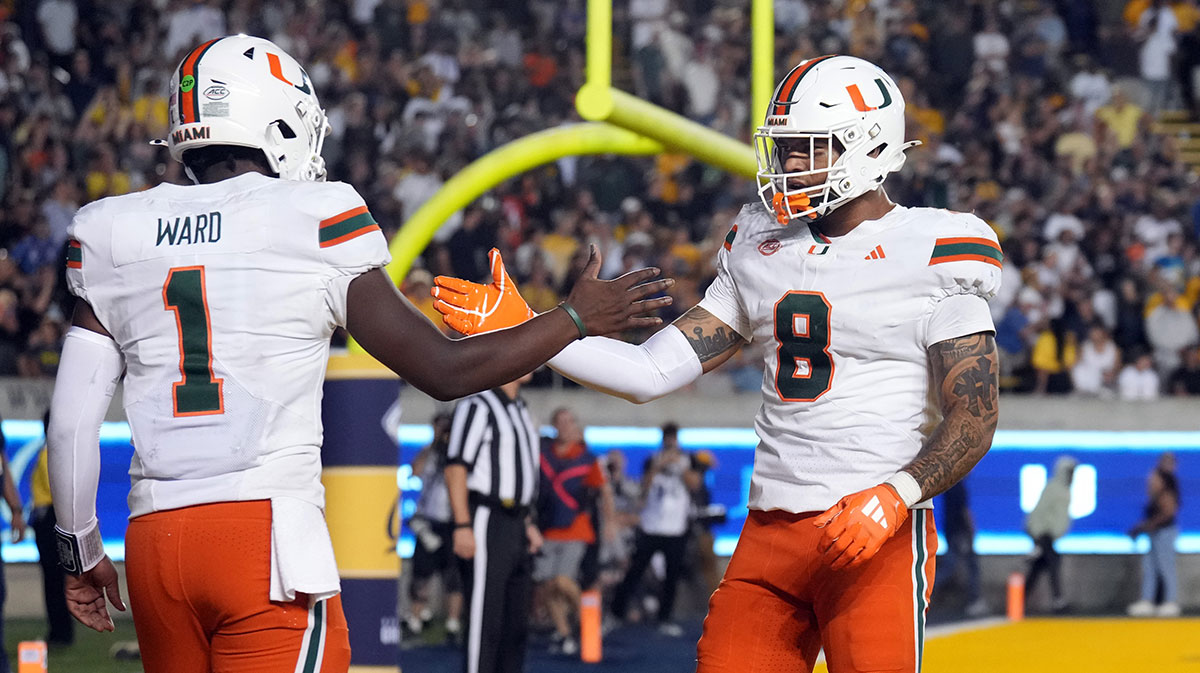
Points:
(504, 504)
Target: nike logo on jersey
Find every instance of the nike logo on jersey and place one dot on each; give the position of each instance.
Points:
(202, 228)
(877, 253)
(874, 511)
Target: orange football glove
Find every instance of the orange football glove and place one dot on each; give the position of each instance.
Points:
(471, 308)
(797, 202)
(858, 525)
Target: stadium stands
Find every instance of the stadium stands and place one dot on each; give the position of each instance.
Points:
(1033, 115)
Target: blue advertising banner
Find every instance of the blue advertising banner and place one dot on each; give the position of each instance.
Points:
(1108, 493)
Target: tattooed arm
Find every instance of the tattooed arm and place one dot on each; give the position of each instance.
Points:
(713, 341)
(965, 370)
(675, 356)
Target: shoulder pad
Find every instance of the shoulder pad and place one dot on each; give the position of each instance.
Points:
(965, 254)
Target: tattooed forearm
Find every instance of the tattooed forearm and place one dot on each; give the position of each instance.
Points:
(709, 337)
(965, 371)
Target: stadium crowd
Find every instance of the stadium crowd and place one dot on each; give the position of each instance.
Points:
(1034, 114)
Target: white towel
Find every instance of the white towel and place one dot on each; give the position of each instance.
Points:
(301, 552)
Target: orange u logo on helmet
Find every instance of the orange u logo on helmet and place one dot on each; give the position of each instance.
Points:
(277, 71)
(856, 97)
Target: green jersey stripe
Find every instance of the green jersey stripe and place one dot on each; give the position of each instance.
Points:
(953, 249)
(349, 225)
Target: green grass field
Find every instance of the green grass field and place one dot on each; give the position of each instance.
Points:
(89, 653)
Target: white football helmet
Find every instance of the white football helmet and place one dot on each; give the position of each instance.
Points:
(246, 91)
(830, 98)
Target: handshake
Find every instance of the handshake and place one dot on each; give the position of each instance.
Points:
(596, 306)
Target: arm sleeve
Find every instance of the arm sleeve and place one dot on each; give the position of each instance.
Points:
(350, 242)
(467, 429)
(665, 363)
(88, 373)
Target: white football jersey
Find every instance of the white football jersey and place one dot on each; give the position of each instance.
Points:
(846, 323)
(222, 298)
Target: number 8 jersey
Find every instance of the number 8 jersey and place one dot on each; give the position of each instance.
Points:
(222, 298)
(845, 326)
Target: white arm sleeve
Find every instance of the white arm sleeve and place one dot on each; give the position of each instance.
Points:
(88, 372)
(664, 364)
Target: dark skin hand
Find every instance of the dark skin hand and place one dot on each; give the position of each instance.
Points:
(966, 372)
(86, 596)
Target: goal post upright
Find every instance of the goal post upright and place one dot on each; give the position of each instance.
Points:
(622, 124)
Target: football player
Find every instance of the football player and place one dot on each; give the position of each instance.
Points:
(879, 389)
(216, 303)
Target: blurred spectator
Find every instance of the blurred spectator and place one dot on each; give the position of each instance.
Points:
(958, 526)
(571, 480)
(58, 20)
(416, 289)
(1122, 117)
(1157, 30)
(1017, 331)
(1185, 380)
(614, 554)
(1095, 372)
(1153, 229)
(433, 527)
(705, 567)
(60, 623)
(1170, 327)
(668, 481)
(1090, 85)
(59, 209)
(1187, 57)
(1049, 521)
(1054, 354)
(17, 531)
(192, 22)
(1138, 380)
(992, 47)
(37, 248)
(1160, 523)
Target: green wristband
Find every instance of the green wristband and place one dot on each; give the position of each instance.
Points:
(574, 318)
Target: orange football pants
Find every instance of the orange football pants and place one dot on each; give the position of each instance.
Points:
(199, 586)
(779, 602)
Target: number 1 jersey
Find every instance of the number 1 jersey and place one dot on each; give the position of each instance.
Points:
(222, 298)
(845, 326)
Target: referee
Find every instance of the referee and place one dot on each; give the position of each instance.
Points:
(492, 475)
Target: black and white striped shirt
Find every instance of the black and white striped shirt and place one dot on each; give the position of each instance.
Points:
(495, 438)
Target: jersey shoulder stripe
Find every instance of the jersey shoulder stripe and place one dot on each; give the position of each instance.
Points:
(347, 225)
(966, 249)
(74, 255)
(730, 236)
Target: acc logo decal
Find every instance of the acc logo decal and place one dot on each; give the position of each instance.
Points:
(187, 83)
(216, 92)
(769, 247)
